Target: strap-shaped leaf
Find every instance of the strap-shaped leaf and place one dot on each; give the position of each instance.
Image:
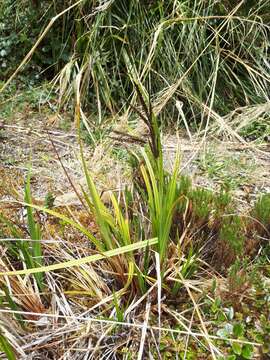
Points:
(84, 260)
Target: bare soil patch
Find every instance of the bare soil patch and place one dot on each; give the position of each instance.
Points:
(212, 164)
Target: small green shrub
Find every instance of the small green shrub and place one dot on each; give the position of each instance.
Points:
(202, 201)
(258, 129)
(232, 232)
(262, 210)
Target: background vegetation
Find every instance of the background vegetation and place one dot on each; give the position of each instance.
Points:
(211, 56)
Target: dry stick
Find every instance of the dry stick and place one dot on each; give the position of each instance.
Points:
(30, 53)
(207, 337)
(123, 323)
(144, 331)
(67, 175)
(127, 138)
(159, 287)
(245, 64)
(149, 115)
(212, 98)
(103, 336)
(188, 336)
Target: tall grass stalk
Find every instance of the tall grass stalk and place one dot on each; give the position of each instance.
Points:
(183, 50)
(32, 253)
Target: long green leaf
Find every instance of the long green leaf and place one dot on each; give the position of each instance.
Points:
(103, 217)
(5, 346)
(32, 254)
(84, 260)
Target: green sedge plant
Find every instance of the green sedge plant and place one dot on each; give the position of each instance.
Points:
(6, 347)
(32, 251)
(28, 251)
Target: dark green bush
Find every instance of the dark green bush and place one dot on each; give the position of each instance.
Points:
(21, 23)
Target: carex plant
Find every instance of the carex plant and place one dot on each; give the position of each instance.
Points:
(160, 186)
(29, 252)
(181, 218)
(157, 193)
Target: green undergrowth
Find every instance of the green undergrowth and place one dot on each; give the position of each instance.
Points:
(230, 171)
(24, 97)
(258, 130)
